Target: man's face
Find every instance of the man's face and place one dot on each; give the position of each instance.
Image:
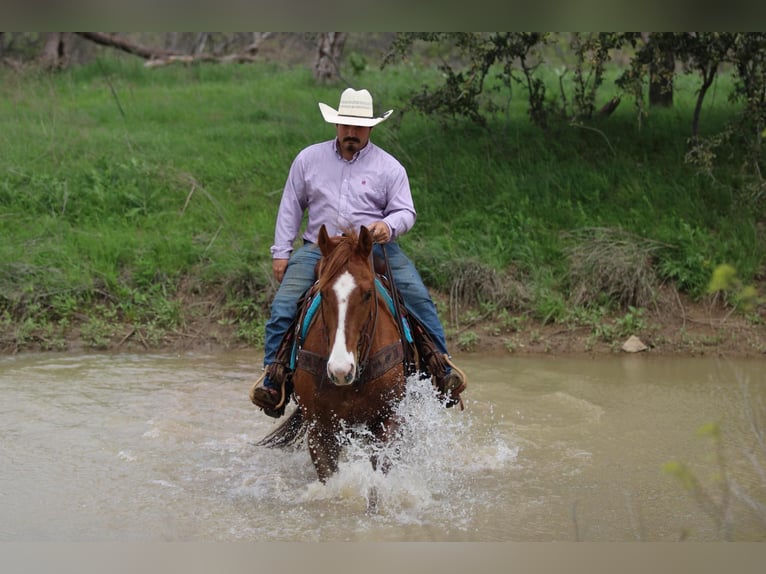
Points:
(352, 138)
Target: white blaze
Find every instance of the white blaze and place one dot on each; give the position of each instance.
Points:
(340, 364)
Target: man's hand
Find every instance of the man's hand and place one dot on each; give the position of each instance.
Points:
(380, 232)
(278, 267)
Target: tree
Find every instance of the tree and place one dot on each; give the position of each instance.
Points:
(703, 52)
(55, 53)
(329, 49)
(662, 64)
(465, 79)
(749, 59)
(592, 51)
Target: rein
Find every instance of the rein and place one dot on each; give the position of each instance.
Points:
(407, 353)
(364, 345)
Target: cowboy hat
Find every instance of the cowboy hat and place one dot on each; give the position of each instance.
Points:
(355, 109)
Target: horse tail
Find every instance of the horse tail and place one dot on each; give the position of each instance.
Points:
(289, 433)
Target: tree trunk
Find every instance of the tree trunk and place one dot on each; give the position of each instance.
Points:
(329, 51)
(55, 54)
(708, 75)
(661, 73)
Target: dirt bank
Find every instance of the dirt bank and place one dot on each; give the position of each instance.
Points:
(687, 328)
(680, 327)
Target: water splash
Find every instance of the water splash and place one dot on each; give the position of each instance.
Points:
(437, 463)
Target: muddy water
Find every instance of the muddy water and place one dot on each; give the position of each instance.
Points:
(162, 447)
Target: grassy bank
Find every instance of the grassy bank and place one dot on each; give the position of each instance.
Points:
(138, 205)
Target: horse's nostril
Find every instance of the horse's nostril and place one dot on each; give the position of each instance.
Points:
(342, 378)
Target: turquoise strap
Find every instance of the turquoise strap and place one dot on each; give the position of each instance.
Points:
(314, 305)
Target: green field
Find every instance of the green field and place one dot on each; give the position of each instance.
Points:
(128, 195)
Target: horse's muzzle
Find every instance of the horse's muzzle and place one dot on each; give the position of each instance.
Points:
(342, 377)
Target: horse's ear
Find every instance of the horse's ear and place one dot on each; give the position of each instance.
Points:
(365, 241)
(323, 240)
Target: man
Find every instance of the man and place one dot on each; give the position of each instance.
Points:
(346, 182)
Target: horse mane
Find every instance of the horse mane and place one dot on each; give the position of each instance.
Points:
(337, 260)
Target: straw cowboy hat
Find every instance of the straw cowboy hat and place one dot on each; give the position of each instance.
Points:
(355, 109)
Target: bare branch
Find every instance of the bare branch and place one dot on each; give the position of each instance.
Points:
(120, 43)
(156, 57)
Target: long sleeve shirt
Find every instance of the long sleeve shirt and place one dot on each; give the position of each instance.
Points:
(338, 193)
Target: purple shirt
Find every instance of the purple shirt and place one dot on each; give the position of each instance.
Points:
(373, 186)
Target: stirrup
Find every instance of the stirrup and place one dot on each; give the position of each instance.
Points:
(453, 384)
(272, 404)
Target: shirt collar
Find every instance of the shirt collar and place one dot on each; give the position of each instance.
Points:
(361, 153)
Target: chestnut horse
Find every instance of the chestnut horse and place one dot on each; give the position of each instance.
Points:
(349, 370)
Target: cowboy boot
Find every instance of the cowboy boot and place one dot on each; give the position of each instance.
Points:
(272, 391)
(447, 378)
(451, 383)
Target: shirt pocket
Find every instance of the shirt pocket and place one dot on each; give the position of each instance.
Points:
(370, 193)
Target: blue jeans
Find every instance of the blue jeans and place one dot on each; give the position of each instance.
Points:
(299, 276)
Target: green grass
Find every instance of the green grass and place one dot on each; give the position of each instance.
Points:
(120, 184)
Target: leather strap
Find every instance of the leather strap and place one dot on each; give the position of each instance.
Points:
(378, 365)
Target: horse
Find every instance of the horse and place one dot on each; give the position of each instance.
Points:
(350, 370)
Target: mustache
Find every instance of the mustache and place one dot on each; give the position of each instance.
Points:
(351, 139)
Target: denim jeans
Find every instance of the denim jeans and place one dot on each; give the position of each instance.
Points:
(300, 275)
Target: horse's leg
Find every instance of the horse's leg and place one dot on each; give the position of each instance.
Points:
(384, 436)
(324, 450)
(384, 462)
(372, 500)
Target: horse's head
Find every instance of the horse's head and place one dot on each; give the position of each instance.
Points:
(347, 284)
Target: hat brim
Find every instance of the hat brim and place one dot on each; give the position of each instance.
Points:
(333, 117)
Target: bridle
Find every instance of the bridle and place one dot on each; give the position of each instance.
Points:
(364, 342)
(369, 365)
